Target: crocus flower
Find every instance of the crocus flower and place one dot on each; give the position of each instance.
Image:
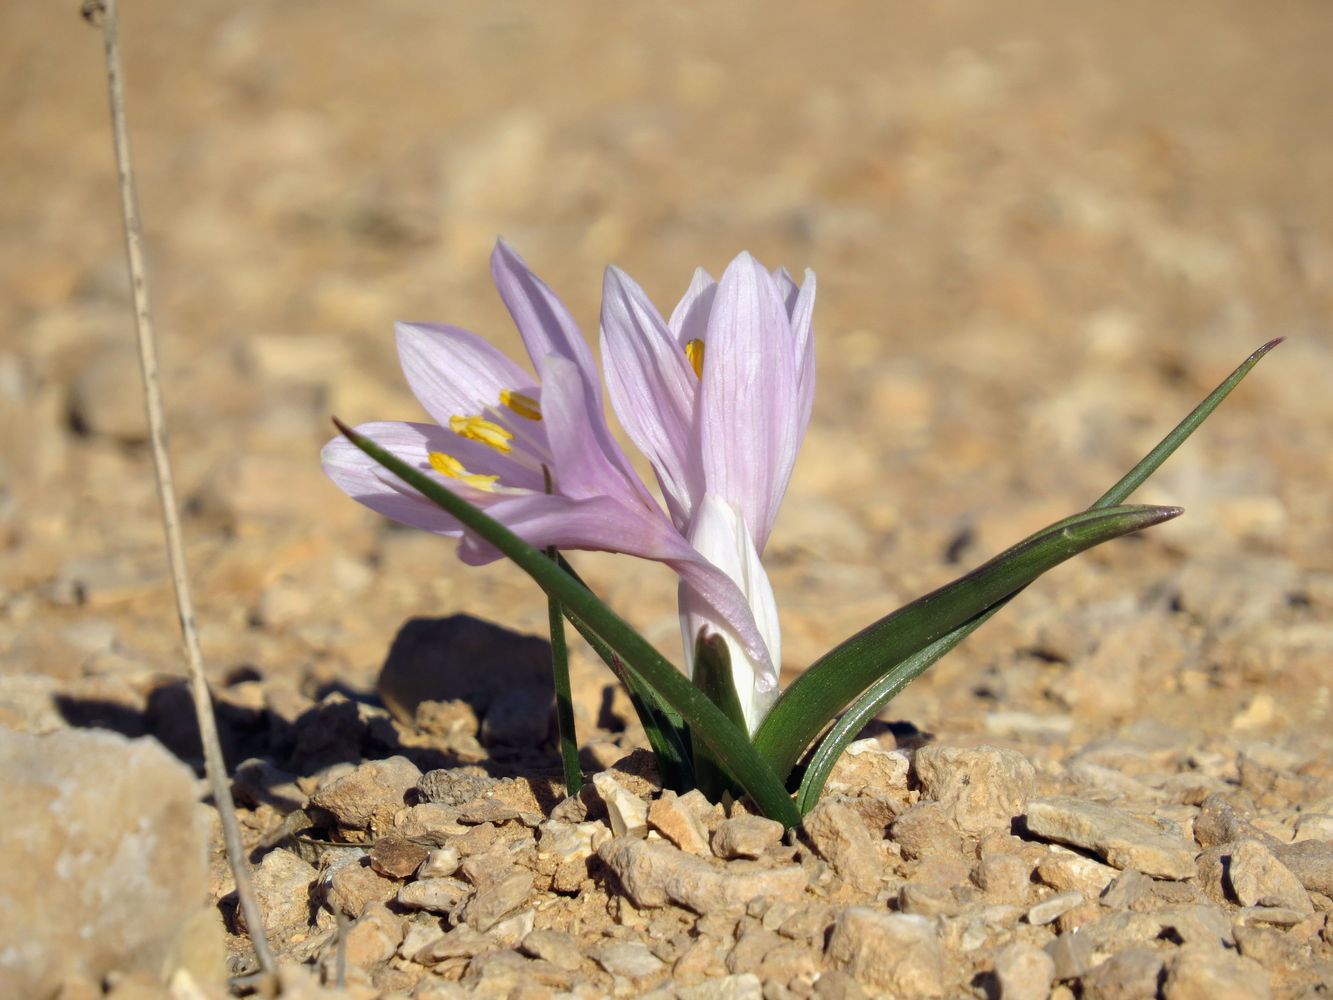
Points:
(535, 453)
(718, 397)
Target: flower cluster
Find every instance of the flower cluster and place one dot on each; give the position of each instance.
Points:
(717, 397)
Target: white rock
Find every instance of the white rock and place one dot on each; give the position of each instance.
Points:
(1024, 972)
(627, 812)
(102, 857)
(895, 952)
(979, 788)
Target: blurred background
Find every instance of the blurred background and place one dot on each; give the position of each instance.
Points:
(1042, 232)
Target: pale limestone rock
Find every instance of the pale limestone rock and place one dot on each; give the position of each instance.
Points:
(924, 831)
(1127, 975)
(441, 862)
(438, 895)
(1259, 879)
(497, 900)
(979, 788)
(1063, 869)
(626, 812)
(745, 986)
(102, 857)
(369, 797)
(653, 873)
(1004, 877)
(630, 959)
(1054, 906)
(353, 887)
(1311, 861)
(841, 839)
(1125, 841)
(926, 900)
(374, 938)
(893, 952)
(1127, 890)
(669, 815)
(746, 837)
(866, 768)
(1314, 826)
(556, 947)
(282, 886)
(1024, 972)
(1200, 972)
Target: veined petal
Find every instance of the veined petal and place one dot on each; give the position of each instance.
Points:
(748, 406)
(593, 524)
(653, 389)
(366, 481)
(542, 319)
(453, 372)
(586, 459)
(720, 535)
(800, 310)
(689, 320)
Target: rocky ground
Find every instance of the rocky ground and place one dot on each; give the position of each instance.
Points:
(1042, 233)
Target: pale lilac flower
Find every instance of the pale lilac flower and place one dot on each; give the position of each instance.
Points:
(718, 397)
(536, 455)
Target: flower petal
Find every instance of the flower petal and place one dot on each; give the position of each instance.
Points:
(800, 309)
(542, 319)
(586, 459)
(653, 389)
(689, 320)
(720, 535)
(453, 372)
(366, 481)
(748, 407)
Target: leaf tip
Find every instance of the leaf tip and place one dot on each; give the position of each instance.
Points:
(1267, 347)
(343, 429)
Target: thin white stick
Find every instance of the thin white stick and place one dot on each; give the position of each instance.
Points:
(166, 490)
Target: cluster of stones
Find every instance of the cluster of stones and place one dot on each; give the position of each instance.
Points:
(938, 873)
(927, 875)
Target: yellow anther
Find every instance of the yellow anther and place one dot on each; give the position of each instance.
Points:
(525, 406)
(447, 465)
(483, 430)
(694, 351)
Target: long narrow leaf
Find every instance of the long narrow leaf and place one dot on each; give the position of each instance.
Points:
(728, 744)
(564, 695)
(869, 704)
(873, 700)
(663, 726)
(1153, 460)
(836, 679)
(712, 676)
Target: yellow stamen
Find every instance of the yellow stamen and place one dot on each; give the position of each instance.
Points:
(447, 465)
(483, 430)
(525, 406)
(694, 351)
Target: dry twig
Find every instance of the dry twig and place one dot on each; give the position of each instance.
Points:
(105, 12)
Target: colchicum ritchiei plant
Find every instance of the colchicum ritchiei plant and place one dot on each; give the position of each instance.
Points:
(717, 397)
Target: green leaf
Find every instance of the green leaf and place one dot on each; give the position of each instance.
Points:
(728, 744)
(896, 678)
(866, 707)
(661, 723)
(564, 696)
(837, 678)
(712, 676)
(1152, 461)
